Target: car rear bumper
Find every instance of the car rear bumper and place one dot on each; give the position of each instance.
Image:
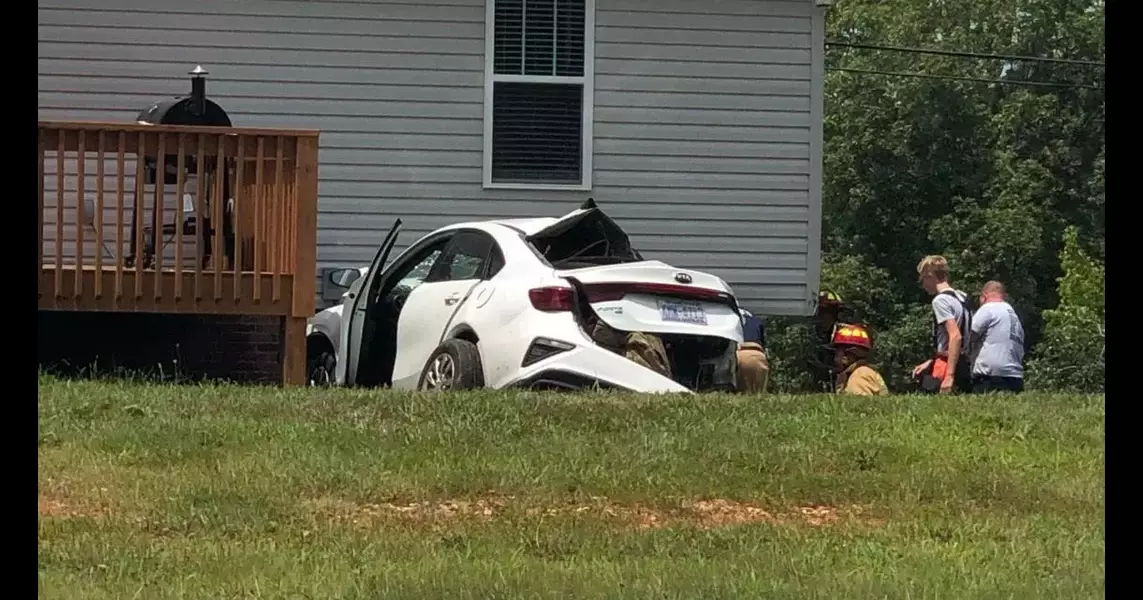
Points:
(587, 366)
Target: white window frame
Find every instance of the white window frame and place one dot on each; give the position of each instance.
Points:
(587, 81)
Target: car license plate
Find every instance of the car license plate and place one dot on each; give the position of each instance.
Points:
(682, 312)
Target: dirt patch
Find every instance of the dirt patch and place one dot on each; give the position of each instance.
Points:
(721, 513)
(707, 514)
(637, 515)
(54, 508)
(363, 514)
(65, 498)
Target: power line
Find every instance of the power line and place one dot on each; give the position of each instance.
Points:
(1008, 57)
(960, 78)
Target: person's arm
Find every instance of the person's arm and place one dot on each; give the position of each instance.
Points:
(979, 321)
(954, 353)
(982, 321)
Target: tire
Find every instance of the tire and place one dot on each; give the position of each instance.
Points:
(321, 369)
(454, 365)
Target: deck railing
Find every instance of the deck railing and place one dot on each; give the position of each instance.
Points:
(177, 219)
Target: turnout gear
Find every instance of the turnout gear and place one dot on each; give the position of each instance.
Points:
(861, 380)
(852, 344)
(826, 318)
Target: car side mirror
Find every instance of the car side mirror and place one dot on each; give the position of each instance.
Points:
(343, 278)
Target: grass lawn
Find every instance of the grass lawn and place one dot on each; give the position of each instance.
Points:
(157, 492)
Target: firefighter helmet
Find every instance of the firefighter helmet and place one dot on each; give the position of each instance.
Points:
(828, 302)
(852, 335)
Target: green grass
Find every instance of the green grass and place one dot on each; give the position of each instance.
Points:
(157, 492)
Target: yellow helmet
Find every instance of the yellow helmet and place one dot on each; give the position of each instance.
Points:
(828, 300)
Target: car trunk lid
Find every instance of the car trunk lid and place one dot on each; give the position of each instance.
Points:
(655, 297)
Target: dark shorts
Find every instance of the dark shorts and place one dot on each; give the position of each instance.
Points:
(983, 384)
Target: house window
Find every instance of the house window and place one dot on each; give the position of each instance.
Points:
(538, 93)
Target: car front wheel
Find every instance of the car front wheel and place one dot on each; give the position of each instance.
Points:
(454, 365)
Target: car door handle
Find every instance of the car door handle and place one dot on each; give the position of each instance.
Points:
(453, 299)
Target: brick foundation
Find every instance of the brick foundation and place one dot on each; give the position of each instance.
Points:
(245, 349)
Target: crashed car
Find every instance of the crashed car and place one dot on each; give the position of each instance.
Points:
(562, 303)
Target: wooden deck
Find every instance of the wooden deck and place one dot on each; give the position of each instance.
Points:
(166, 219)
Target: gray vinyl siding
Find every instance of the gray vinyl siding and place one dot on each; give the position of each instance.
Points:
(706, 115)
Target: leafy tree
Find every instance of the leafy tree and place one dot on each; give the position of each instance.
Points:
(1071, 354)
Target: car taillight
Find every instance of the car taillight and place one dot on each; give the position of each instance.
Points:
(552, 299)
(608, 292)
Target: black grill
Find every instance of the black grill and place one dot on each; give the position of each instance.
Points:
(542, 348)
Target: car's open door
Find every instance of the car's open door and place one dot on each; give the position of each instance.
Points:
(357, 310)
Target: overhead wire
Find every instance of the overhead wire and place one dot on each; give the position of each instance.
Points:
(965, 54)
(963, 78)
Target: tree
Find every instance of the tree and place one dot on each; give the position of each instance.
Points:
(1071, 354)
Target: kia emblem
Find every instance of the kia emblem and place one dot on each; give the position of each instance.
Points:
(683, 278)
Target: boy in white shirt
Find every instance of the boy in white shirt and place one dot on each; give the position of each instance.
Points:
(947, 371)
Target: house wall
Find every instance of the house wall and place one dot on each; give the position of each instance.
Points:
(707, 116)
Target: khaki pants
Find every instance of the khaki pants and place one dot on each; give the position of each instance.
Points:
(647, 349)
(644, 349)
(753, 368)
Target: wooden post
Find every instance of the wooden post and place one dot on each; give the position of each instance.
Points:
(294, 351)
(306, 187)
(120, 219)
(80, 217)
(100, 172)
(180, 216)
(61, 168)
(305, 270)
(259, 235)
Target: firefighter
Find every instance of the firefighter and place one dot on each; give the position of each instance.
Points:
(829, 309)
(851, 355)
(826, 319)
(753, 368)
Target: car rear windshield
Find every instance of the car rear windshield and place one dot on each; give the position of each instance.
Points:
(592, 240)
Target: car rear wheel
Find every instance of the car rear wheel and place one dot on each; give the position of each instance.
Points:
(454, 365)
(321, 369)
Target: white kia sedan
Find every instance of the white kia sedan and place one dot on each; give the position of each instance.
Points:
(511, 303)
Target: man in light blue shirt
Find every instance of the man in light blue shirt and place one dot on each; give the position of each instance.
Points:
(999, 361)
